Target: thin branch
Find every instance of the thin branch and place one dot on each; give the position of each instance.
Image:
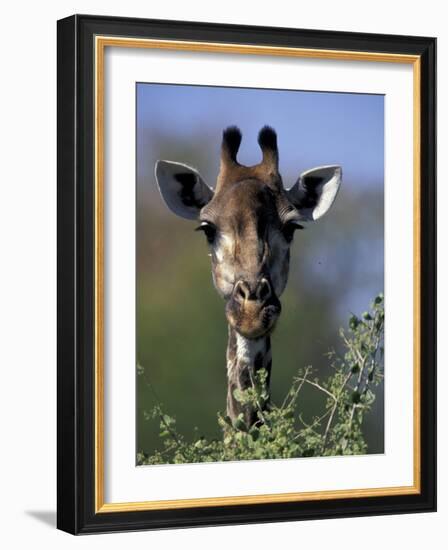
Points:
(333, 411)
(256, 397)
(153, 391)
(350, 346)
(318, 386)
(315, 423)
(168, 428)
(373, 363)
(299, 387)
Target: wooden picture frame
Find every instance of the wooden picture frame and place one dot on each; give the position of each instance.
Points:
(82, 41)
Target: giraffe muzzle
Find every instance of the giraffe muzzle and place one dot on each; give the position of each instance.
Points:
(253, 308)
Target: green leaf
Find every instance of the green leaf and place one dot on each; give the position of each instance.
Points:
(239, 423)
(353, 322)
(379, 299)
(356, 397)
(169, 420)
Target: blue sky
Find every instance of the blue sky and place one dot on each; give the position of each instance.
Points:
(313, 127)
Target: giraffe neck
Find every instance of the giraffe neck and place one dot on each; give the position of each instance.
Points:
(244, 358)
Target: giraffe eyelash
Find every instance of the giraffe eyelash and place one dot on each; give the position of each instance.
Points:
(209, 229)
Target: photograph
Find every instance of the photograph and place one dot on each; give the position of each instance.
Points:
(220, 265)
(260, 274)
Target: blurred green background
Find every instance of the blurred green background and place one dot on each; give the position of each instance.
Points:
(337, 264)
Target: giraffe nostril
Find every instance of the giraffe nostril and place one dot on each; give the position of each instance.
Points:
(242, 291)
(263, 290)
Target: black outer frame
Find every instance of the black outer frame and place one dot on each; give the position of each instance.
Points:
(75, 380)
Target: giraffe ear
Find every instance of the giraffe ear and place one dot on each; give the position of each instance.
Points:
(182, 188)
(315, 191)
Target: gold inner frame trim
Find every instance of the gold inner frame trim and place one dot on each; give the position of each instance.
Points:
(101, 42)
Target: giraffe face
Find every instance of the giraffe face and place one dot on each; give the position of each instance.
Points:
(249, 229)
(249, 222)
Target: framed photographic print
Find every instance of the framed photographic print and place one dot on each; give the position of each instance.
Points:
(246, 274)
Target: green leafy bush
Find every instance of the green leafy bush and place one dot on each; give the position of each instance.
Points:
(282, 432)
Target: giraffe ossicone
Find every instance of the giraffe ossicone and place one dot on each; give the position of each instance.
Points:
(249, 221)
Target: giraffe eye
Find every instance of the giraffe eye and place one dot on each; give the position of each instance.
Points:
(288, 230)
(209, 229)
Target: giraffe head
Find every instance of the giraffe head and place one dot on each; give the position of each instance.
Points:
(249, 222)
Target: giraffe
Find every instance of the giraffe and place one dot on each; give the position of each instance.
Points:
(249, 221)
